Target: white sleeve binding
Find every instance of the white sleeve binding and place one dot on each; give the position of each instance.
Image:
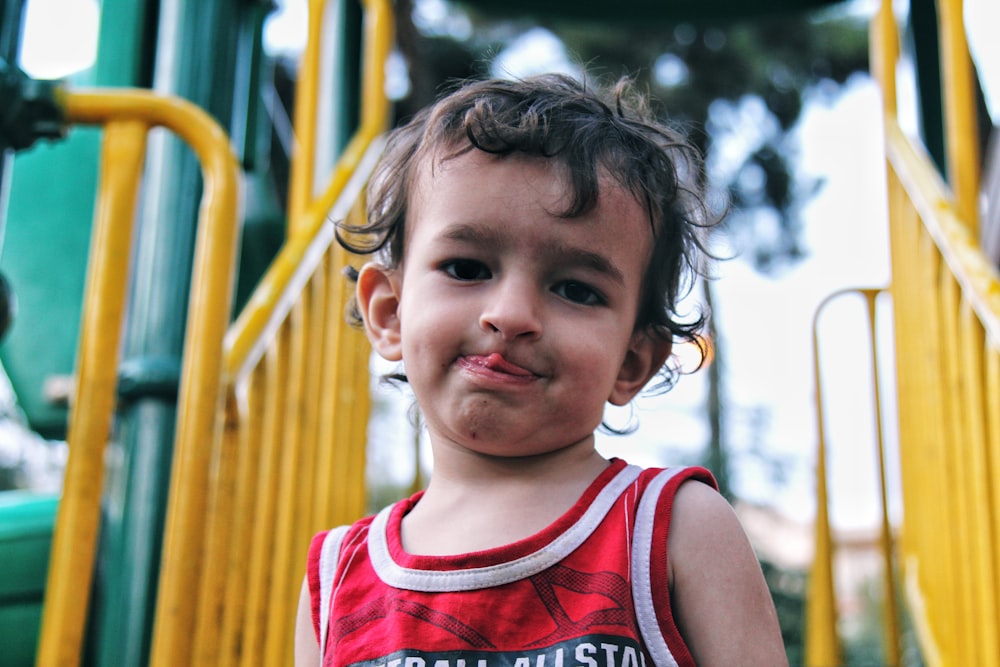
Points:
(328, 556)
(642, 585)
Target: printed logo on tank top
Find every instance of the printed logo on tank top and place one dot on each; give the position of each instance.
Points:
(589, 651)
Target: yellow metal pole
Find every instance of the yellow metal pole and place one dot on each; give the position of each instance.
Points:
(379, 34)
(891, 635)
(923, 487)
(991, 369)
(259, 587)
(200, 390)
(937, 616)
(75, 536)
(326, 439)
(961, 128)
(883, 54)
(244, 422)
(822, 643)
(976, 481)
(303, 163)
(280, 607)
(219, 523)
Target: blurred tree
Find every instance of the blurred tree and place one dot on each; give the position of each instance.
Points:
(738, 88)
(788, 592)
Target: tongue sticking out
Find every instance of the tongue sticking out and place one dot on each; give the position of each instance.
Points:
(496, 362)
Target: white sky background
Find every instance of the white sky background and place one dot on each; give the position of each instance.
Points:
(765, 322)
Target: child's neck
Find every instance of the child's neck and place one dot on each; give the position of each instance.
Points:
(481, 502)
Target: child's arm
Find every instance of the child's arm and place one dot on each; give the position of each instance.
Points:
(306, 646)
(719, 598)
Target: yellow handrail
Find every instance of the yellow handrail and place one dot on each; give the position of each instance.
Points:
(127, 117)
(946, 307)
(822, 642)
(271, 417)
(822, 645)
(290, 458)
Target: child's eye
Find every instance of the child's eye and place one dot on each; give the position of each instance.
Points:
(578, 292)
(466, 269)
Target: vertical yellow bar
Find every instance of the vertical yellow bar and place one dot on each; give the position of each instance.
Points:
(245, 407)
(822, 645)
(961, 127)
(265, 510)
(379, 36)
(219, 528)
(936, 491)
(319, 321)
(75, 536)
(883, 54)
(890, 623)
(977, 483)
(352, 397)
(991, 369)
(303, 162)
(326, 441)
(958, 469)
(923, 466)
(281, 607)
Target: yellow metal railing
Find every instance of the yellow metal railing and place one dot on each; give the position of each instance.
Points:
(946, 304)
(290, 459)
(822, 641)
(947, 310)
(270, 437)
(127, 117)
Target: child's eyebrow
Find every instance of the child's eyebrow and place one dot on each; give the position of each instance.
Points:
(561, 252)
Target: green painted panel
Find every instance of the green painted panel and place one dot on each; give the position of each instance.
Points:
(26, 522)
(44, 257)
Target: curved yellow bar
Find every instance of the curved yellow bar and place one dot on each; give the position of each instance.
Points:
(822, 643)
(127, 116)
(75, 537)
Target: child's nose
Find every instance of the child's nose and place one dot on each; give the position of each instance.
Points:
(512, 311)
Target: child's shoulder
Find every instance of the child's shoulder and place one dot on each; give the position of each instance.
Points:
(664, 484)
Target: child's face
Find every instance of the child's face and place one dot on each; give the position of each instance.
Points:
(515, 325)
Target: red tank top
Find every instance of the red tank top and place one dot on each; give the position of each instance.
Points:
(588, 591)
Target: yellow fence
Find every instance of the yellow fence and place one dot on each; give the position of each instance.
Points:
(272, 414)
(946, 303)
(290, 459)
(127, 117)
(822, 641)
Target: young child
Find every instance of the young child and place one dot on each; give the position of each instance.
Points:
(531, 242)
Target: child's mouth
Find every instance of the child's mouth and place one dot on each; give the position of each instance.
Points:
(495, 362)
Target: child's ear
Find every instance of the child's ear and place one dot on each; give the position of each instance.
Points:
(378, 301)
(646, 354)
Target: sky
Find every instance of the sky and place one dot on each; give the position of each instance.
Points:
(765, 322)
